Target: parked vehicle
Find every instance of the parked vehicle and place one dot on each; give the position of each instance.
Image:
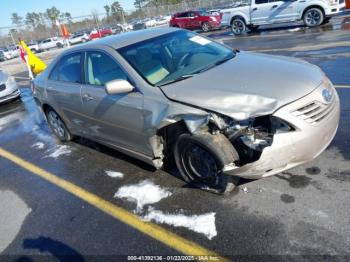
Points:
(8, 53)
(34, 47)
(163, 20)
(2, 56)
(150, 22)
(263, 12)
(95, 34)
(8, 88)
(78, 38)
(126, 27)
(116, 29)
(155, 95)
(196, 20)
(139, 25)
(52, 42)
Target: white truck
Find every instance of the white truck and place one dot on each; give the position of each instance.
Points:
(265, 12)
(50, 43)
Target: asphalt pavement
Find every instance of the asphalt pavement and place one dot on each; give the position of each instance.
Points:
(46, 198)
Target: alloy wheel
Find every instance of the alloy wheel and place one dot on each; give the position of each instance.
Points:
(313, 17)
(56, 124)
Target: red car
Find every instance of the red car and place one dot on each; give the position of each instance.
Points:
(196, 19)
(100, 33)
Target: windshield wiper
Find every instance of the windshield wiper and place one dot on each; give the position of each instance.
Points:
(215, 64)
(176, 80)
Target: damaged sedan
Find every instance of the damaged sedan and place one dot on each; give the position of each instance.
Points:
(171, 96)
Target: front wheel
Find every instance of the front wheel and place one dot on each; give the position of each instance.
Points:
(238, 26)
(313, 17)
(57, 126)
(200, 159)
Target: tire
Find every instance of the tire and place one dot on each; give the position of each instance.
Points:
(200, 159)
(313, 17)
(205, 27)
(57, 126)
(238, 26)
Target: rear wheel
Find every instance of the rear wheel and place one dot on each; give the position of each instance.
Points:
(205, 27)
(313, 17)
(238, 26)
(57, 126)
(200, 159)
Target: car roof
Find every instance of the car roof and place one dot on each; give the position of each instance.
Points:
(125, 39)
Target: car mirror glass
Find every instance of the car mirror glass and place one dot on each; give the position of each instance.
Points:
(118, 86)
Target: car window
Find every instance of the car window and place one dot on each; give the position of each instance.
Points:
(101, 68)
(68, 69)
(166, 58)
(55, 72)
(259, 2)
(183, 15)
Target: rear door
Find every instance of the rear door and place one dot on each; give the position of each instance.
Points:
(286, 10)
(63, 89)
(115, 119)
(262, 11)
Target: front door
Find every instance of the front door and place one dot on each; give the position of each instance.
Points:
(115, 119)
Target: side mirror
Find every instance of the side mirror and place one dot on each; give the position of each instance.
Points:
(118, 86)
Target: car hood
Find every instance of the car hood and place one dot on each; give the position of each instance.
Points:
(248, 85)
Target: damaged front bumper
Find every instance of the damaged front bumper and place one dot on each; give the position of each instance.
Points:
(315, 122)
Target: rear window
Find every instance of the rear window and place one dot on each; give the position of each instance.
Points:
(68, 69)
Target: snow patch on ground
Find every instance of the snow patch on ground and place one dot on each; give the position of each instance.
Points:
(114, 174)
(143, 193)
(39, 145)
(59, 150)
(203, 224)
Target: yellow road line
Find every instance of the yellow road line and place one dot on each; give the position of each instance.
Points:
(164, 236)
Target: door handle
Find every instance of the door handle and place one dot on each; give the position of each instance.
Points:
(274, 6)
(87, 97)
(254, 9)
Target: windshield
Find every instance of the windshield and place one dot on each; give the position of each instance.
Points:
(174, 57)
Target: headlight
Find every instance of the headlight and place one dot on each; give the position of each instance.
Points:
(212, 18)
(333, 2)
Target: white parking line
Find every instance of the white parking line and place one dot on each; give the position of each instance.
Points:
(342, 86)
(22, 78)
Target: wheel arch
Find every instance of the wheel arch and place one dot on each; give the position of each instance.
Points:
(313, 6)
(240, 16)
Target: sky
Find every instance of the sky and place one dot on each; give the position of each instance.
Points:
(75, 7)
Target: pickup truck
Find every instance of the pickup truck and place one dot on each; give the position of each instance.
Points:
(34, 47)
(264, 12)
(50, 43)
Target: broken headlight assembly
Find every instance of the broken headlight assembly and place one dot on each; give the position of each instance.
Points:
(251, 136)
